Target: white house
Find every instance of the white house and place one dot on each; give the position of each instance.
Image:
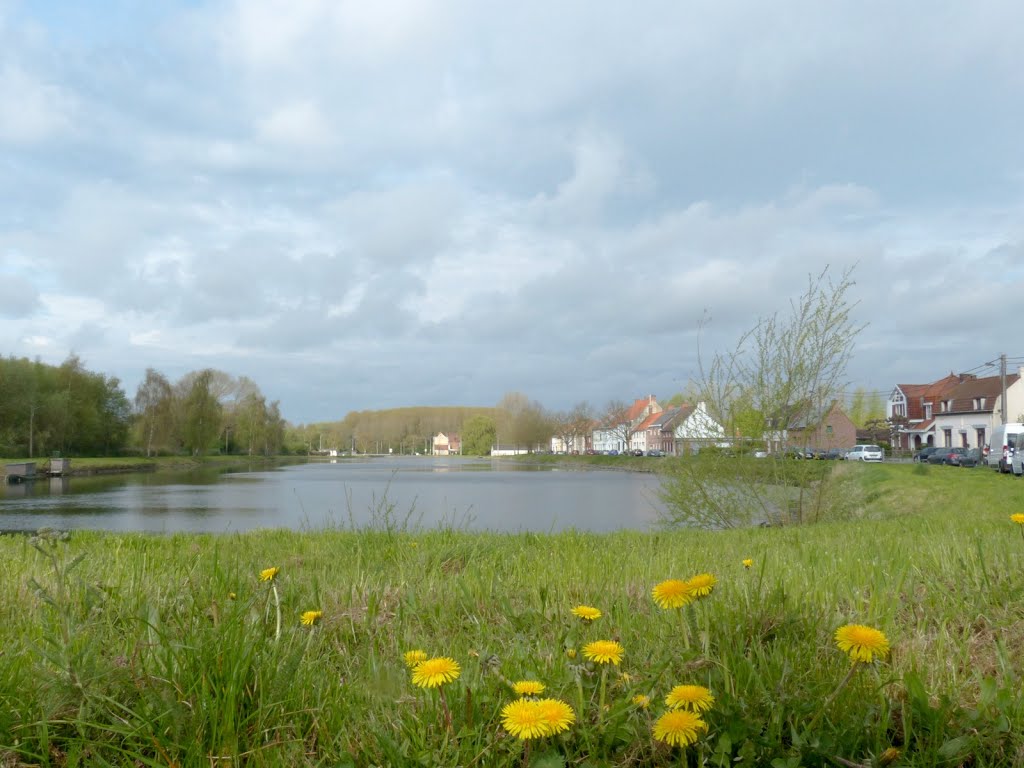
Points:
(695, 428)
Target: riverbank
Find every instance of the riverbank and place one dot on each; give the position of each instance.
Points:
(125, 464)
(161, 650)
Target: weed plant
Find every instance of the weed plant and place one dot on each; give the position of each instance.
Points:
(163, 650)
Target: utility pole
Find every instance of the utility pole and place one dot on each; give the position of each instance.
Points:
(1002, 386)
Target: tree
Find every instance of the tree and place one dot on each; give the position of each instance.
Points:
(522, 422)
(202, 414)
(779, 370)
(478, 435)
(154, 406)
(573, 427)
(616, 421)
(866, 407)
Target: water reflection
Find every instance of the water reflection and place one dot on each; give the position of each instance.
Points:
(467, 493)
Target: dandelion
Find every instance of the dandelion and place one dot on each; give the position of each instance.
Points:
(309, 618)
(702, 584)
(679, 727)
(586, 612)
(748, 563)
(603, 652)
(528, 688)
(642, 701)
(626, 678)
(269, 574)
(433, 673)
(232, 595)
(673, 593)
(523, 719)
(556, 716)
(861, 643)
(695, 698)
(412, 658)
(571, 653)
(1018, 518)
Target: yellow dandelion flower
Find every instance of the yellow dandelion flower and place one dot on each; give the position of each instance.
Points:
(642, 701)
(748, 563)
(232, 595)
(570, 652)
(433, 673)
(309, 618)
(702, 584)
(412, 658)
(862, 643)
(523, 719)
(556, 716)
(696, 698)
(586, 612)
(528, 688)
(674, 593)
(626, 678)
(603, 652)
(1018, 518)
(269, 574)
(680, 727)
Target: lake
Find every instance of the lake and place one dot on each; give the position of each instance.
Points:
(415, 492)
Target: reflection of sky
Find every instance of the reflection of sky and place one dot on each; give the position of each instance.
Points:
(489, 496)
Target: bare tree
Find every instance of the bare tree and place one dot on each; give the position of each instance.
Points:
(781, 370)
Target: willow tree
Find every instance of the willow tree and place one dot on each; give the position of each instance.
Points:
(785, 371)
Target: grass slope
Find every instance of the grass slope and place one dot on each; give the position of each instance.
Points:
(148, 650)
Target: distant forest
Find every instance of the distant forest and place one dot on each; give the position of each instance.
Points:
(68, 410)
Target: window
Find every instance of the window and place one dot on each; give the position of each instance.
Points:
(943, 405)
(947, 435)
(927, 410)
(982, 406)
(981, 437)
(828, 429)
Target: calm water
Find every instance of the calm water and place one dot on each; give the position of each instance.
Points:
(424, 492)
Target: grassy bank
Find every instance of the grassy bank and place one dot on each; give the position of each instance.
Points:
(147, 650)
(116, 464)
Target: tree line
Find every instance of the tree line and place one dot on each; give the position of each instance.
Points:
(71, 411)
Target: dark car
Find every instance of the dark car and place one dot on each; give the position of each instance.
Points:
(655, 452)
(922, 455)
(637, 452)
(834, 454)
(973, 458)
(946, 455)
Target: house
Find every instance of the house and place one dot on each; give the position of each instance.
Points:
(822, 429)
(692, 428)
(447, 445)
(966, 415)
(955, 411)
(910, 408)
(618, 431)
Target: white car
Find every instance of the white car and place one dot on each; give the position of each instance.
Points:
(864, 453)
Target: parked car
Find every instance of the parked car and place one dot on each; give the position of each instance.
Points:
(947, 455)
(655, 452)
(638, 452)
(1002, 444)
(864, 453)
(974, 457)
(924, 453)
(833, 454)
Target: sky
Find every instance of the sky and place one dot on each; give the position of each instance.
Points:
(365, 205)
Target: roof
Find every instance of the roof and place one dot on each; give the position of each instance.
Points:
(810, 417)
(964, 394)
(927, 393)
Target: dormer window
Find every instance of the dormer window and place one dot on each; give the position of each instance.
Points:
(982, 406)
(943, 406)
(927, 410)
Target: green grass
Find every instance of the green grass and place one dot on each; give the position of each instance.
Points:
(111, 464)
(161, 650)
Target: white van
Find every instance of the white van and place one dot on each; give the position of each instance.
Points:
(1002, 443)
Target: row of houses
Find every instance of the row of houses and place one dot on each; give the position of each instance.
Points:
(958, 410)
(683, 429)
